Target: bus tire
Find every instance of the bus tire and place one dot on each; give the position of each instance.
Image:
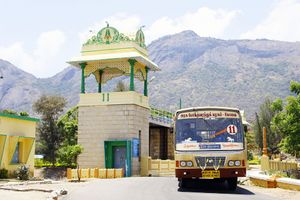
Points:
(232, 183)
(182, 183)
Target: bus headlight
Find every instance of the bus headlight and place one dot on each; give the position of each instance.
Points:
(237, 163)
(189, 163)
(230, 163)
(182, 163)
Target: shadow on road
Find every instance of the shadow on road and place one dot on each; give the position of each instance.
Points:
(212, 187)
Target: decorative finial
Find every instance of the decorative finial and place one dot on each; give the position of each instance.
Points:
(107, 24)
(142, 27)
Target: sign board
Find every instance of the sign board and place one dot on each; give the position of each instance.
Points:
(135, 147)
(208, 114)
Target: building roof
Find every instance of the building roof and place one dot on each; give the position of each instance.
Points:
(114, 56)
(19, 117)
(208, 108)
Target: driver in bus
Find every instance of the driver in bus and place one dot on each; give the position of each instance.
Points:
(190, 133)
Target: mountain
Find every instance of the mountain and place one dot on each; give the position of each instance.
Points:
(201, 71)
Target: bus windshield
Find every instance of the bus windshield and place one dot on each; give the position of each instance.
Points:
(209, 132)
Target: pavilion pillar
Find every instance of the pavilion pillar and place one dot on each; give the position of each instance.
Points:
(100, 81)
(264, 162)
(83, 65)
(131, 62)
(146, 83)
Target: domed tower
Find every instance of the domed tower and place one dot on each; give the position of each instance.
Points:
(113, 127)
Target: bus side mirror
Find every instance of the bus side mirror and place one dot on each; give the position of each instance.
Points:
(245, 128)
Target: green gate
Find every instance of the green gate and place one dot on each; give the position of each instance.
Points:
(109, 153)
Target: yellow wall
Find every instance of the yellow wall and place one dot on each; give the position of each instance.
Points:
(113, 48)
(14, 130)
(113, 98)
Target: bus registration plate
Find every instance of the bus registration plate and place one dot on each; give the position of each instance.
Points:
(210, 174)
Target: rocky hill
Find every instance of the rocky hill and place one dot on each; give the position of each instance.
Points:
(201, 71)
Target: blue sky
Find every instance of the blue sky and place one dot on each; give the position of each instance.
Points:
(39, 36)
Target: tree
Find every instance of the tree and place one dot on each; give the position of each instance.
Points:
(70, 150)
(49, 107)
(68, 126)
(121, 87)
(264, 119)
(251, 144)
(258, 132)
(287, 121)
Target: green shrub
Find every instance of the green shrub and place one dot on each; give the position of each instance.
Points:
(22, 172)
(11, 112)
(67, 155)
(40, 162)
(254, 162)
(3, 173)
(250, 155)
(24, 114)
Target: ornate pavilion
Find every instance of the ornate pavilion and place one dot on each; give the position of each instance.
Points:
(113, 127)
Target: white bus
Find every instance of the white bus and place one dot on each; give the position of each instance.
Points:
(210, 144)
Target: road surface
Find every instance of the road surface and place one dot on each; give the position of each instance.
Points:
(162, 188)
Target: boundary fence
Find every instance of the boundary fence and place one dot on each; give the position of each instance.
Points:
(72, 174)
(157, 167)
(282, 165)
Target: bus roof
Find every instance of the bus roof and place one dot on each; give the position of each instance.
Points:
(207, 108)
(242, 112)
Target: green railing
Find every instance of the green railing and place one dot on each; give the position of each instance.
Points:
(161, 115)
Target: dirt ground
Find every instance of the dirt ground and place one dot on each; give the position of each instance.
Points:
(37, 195)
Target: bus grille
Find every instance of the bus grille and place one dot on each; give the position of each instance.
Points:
(210, 161)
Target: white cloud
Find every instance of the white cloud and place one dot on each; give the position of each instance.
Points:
(205, 22)
(41, 61)
(47, 57)
(282, 23)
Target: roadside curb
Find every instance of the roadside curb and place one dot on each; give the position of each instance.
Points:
(288, 183)
(273, 182)
(263, 181)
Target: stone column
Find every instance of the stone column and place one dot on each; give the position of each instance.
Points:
(100, 80)
(83, 65)
(132, 62)
(265, 150)
(146, 83)
(265, 166)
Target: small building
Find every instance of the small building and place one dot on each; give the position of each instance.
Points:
(17, 141)
(113, 127)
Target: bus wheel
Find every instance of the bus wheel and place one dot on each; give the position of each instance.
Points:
(182, 183)
(232, 183)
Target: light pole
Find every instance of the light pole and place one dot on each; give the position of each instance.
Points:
(1, 77)
(1, 74)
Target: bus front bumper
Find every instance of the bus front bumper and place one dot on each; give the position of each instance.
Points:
(197, 173)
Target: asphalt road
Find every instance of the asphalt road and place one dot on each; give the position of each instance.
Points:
(159, 188)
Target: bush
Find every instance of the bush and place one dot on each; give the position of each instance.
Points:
(11, 112)
(24, 114)
(22, 172)
(292, 173)
(67, 155)
(3, 173)
(254, 162)
(40, 162)
(250, 155)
